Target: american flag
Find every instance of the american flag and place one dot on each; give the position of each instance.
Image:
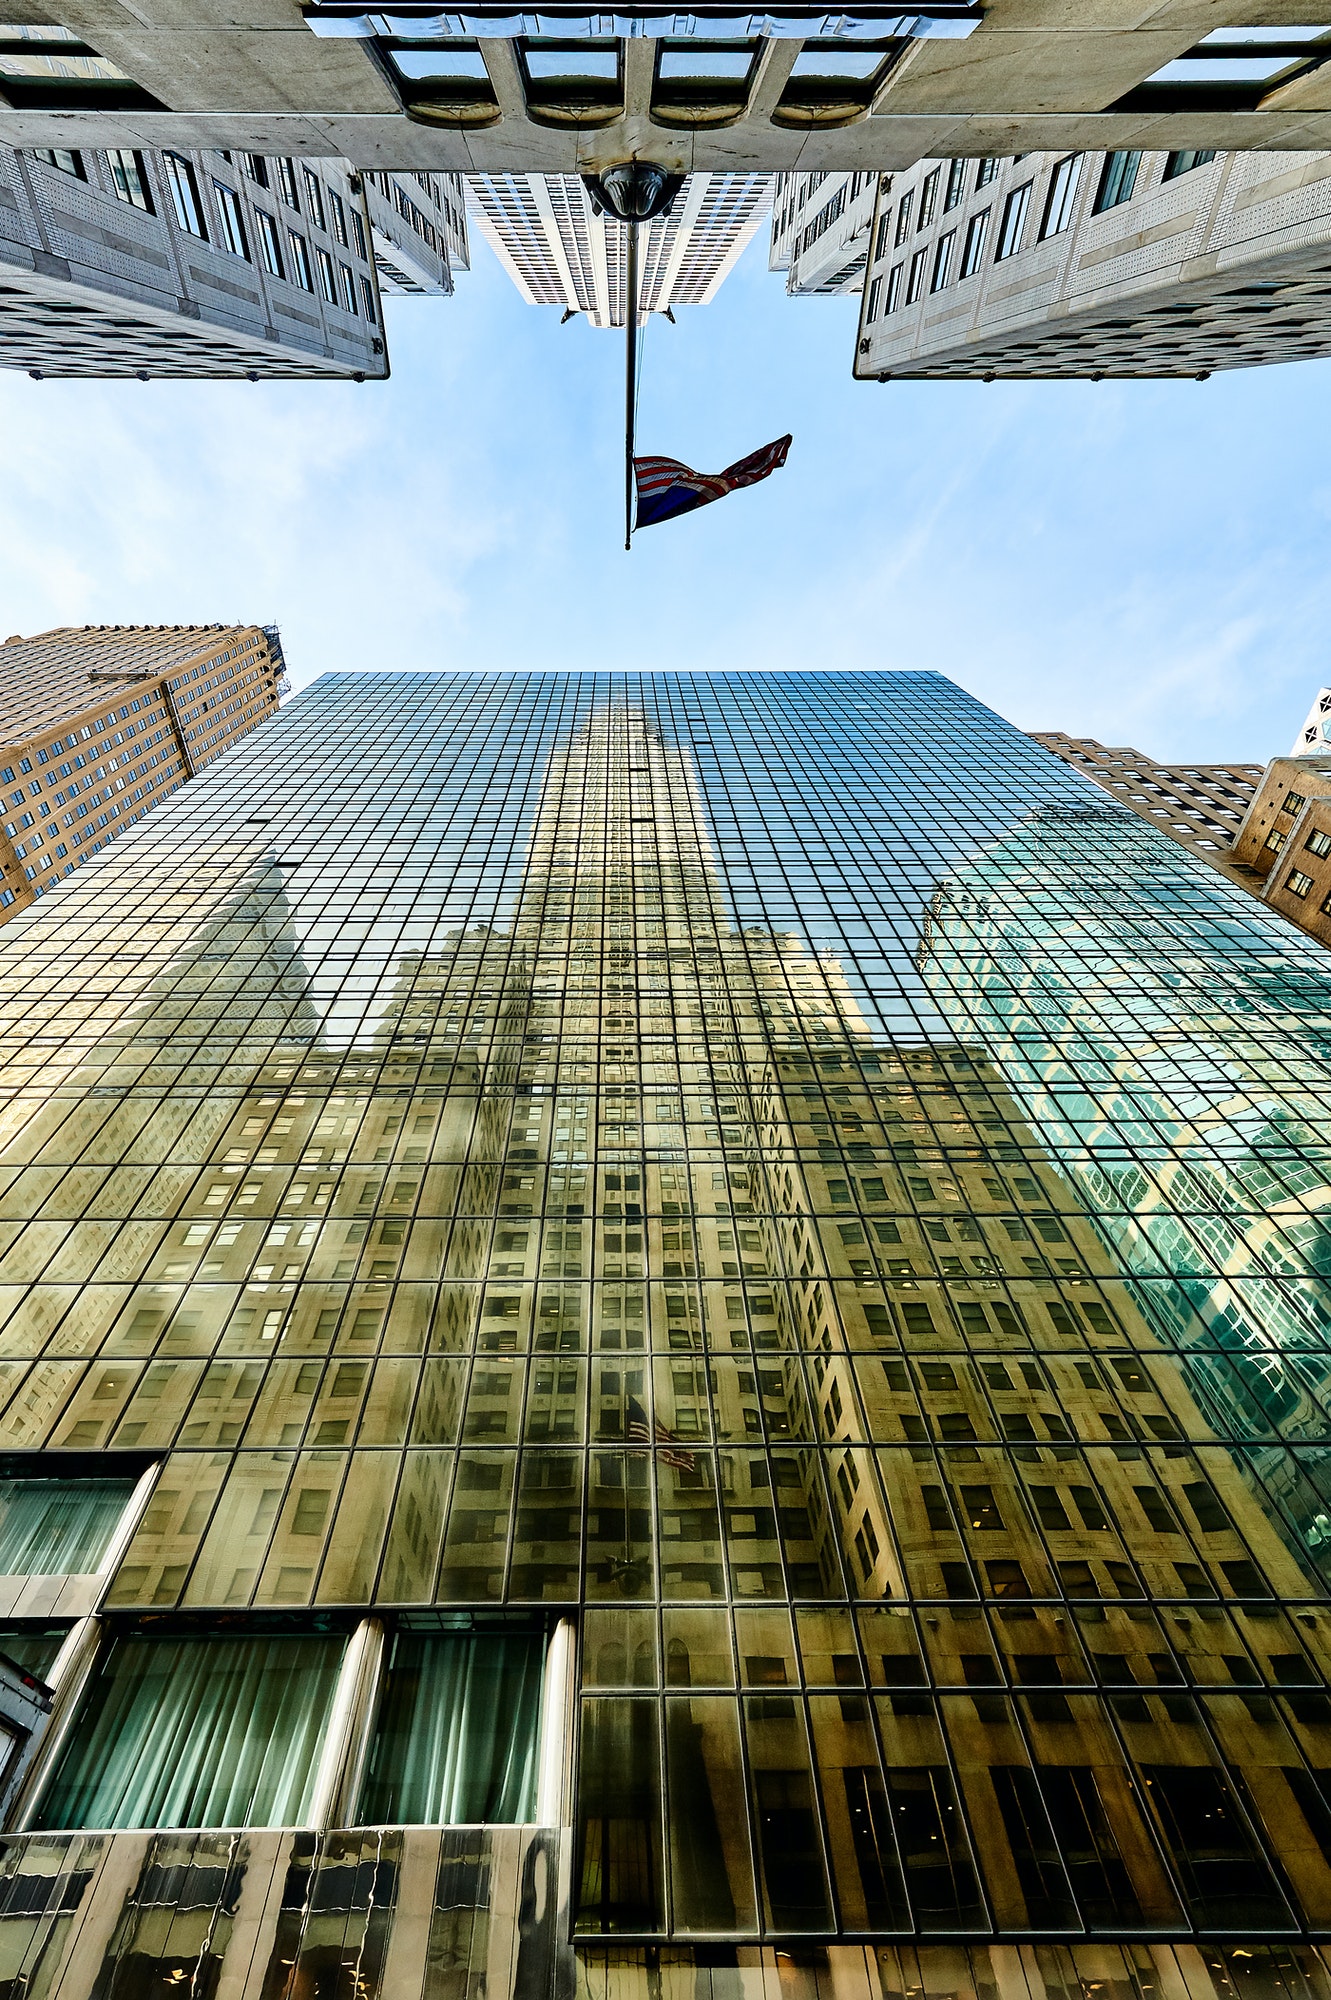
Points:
(638, 1430)
(667, 488)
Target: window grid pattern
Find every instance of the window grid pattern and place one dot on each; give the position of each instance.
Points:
(846, 1227)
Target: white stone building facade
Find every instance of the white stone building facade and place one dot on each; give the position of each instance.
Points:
(560, 252)
(134, 263)
(821, 226)
(1098, 264)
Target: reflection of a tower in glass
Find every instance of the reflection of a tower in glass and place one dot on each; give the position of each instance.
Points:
(870, 1408)
(1176, 1129)
(685, 1050)
(621, 929)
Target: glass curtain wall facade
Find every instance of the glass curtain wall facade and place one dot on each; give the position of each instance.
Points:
(677, 1323)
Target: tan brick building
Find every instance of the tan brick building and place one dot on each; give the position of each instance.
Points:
(98, 722)
(1199, 805)
(1285, 842)
(1267, 829)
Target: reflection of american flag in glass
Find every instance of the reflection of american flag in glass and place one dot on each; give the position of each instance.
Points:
(639, 1431)
(666, 488)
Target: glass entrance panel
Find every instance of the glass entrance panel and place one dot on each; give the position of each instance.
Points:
(58, 1527)
(197, 1731)
(457, 1738)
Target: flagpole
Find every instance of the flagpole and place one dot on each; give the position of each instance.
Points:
(630, 375)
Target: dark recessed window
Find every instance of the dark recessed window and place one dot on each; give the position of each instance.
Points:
(1118, 178)
(184, 186)
(327, 276)
(129, 179)
(270, 243)
(976, 231)
(1058, 208)
(302, 271)
(233, 220)
(63, 161)
(1015, 210)
(314, 198)
(1183, 163)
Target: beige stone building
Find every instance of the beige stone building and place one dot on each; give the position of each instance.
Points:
(99, 722)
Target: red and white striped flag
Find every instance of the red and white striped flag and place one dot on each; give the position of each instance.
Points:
(666, 488)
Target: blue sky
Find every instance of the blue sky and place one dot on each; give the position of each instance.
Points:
(1146, 563)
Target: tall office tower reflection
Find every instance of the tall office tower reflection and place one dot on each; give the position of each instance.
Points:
(655, 1336)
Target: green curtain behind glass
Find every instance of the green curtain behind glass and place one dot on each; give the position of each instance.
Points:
(457, 1736)
(197, 1732)
(58, 1527)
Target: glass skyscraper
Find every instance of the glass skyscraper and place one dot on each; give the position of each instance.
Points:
(661, 1335)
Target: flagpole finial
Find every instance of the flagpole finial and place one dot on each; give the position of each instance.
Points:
(635, 191)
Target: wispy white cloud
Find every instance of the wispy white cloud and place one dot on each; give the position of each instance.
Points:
(1140, 560)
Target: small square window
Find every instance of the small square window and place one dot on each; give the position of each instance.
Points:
(1183, 163)
(63, 161)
